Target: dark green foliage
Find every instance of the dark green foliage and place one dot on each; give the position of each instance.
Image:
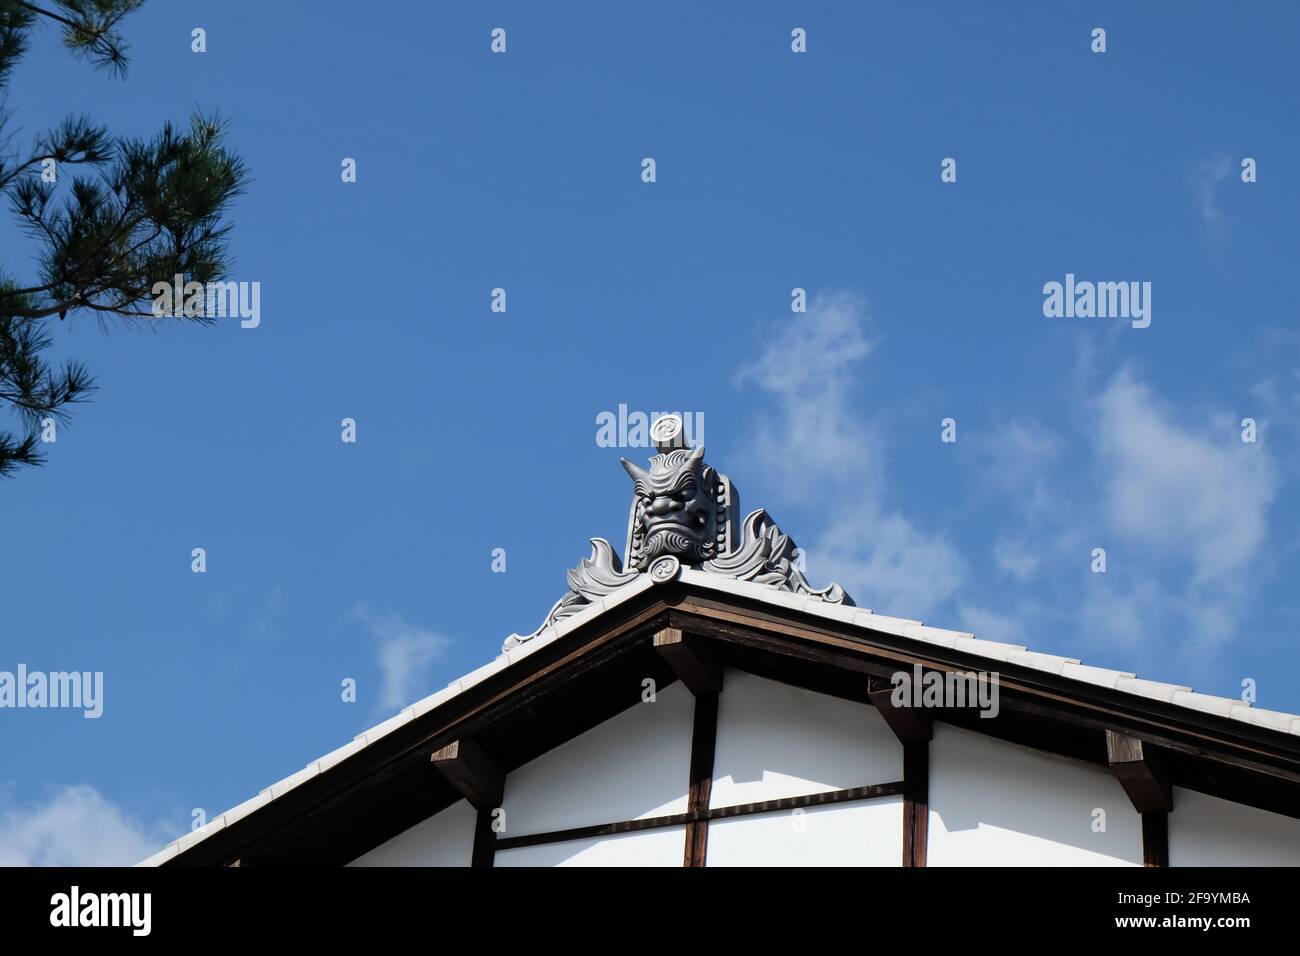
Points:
(148, 210)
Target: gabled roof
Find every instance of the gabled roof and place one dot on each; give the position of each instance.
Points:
(559, 680)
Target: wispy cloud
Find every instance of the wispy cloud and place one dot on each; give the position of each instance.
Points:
(1179, 492)
(1180, 504)
(809, 369)
(820, 449)
(406, 654)
(1018, 456)
(887, 562)
(1178, 501)
(75, 826)
(1205, 178)
(1018, 558)
(1192, 502)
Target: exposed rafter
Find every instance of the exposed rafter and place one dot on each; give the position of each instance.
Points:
(692, 660)
(1140, 772)
(472, 772)
(909, 724)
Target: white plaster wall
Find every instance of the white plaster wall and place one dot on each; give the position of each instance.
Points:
(444, 839)
(632, 766)
(998, 804)
(866, 833)
(665, 847)
(777, 741)
(1208, 831)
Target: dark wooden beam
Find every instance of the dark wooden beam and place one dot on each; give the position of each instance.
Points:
(784, 804)
(485, 840)
(704, 736)
(1139, 772)
(909, 724)
(469, 768)
(1143, 776)
(825, 798)
(916, 801)
(472, 772)
(691, 659)
(1155, 838)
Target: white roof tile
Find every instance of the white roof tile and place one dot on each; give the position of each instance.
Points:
(844, 613)
(248, 806)
(588, 613)
(718, 582)
(481, 674)
(342, 753)
(427, 704)
(934, 635)
(1041, 662)
(626, 593)
(795, 602)
(162, 856)
(1093, 675)
(883, 622)
(1150, 688)
(392, 723)
(1211, 705)
(1271, 719)
(990, 649)
(202, 833)
(281, 787)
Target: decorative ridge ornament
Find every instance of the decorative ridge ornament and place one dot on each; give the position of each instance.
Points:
(684, 513)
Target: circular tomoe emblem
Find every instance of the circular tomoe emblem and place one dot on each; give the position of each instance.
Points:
(666, 433)
(665, 568)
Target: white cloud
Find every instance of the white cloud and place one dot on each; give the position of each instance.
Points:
(1022, 451)
(1180, 504)
(1128, 614)
(1022, 461)
(1017, 456)
(887, 563)
(76, 826)
(809, 368)
(1205, 497)
(817, 448)
(1205, 184)
(406, 653)
(1017, 558)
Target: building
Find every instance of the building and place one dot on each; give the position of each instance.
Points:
(698, 702)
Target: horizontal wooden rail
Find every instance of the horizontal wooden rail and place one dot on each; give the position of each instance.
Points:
(718, 813)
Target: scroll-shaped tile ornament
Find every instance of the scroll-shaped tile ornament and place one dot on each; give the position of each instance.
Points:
(683, 508)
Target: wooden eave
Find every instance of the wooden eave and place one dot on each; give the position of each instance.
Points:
(595, 671)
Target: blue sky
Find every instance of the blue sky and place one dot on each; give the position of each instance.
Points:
(477, 430)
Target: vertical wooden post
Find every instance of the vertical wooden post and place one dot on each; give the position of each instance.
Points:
(916, 801)
(485, 840)
(1155, 838)
(696, 664)
(1144, 779)
(473, 772)
(913, 730)
(704, 736)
